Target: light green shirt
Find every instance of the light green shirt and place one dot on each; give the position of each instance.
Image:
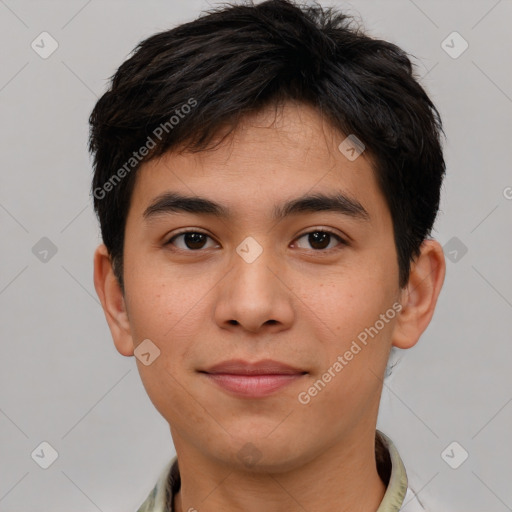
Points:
(398, 497)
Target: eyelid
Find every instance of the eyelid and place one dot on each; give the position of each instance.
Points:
(341, 238)
(324, 230)
(189, 230)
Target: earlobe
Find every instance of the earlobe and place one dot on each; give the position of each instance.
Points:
(112, 301)
(420, 296)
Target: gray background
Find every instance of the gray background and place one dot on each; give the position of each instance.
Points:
(63, 382)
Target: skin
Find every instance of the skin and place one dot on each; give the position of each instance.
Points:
(295, 303)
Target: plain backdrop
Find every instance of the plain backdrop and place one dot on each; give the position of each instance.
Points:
(62, 381)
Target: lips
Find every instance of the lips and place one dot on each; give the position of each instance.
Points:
(252, 380)
(265, 367)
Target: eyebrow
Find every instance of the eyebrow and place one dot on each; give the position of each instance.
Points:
(172, 202)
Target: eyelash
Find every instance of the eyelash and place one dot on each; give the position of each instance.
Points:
(341, 241)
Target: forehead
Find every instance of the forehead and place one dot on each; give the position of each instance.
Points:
(273, 154)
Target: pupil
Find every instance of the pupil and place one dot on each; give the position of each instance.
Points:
(319, 237)
(194, 240)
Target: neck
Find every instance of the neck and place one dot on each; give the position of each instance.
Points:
(345, 475)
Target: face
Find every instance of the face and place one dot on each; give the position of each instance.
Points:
(296, 292)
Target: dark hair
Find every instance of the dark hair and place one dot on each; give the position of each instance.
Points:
(181, 88)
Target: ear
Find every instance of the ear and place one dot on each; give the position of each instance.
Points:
(419, 297)
(112, 301)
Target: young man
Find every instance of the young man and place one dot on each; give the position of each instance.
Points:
(266, 180)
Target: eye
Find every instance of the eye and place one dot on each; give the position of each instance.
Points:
(190, 240)
(321, 239)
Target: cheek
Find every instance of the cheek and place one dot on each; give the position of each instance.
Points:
(169, 318)
(345, 305)
(163, 305)
(347, 319)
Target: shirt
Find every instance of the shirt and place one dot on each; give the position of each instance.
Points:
(397, 498)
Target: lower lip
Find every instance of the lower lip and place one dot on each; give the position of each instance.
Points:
(252, 386)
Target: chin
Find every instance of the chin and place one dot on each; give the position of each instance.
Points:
(261, 454)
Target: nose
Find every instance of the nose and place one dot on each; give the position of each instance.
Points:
(254, 296)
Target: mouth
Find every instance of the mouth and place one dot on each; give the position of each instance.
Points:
(252, 380)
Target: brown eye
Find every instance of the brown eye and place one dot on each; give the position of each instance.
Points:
(321, 240)
(190, 240)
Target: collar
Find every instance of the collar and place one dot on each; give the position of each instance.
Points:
(389, 465)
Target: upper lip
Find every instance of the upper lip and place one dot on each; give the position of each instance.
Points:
(264, 367)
